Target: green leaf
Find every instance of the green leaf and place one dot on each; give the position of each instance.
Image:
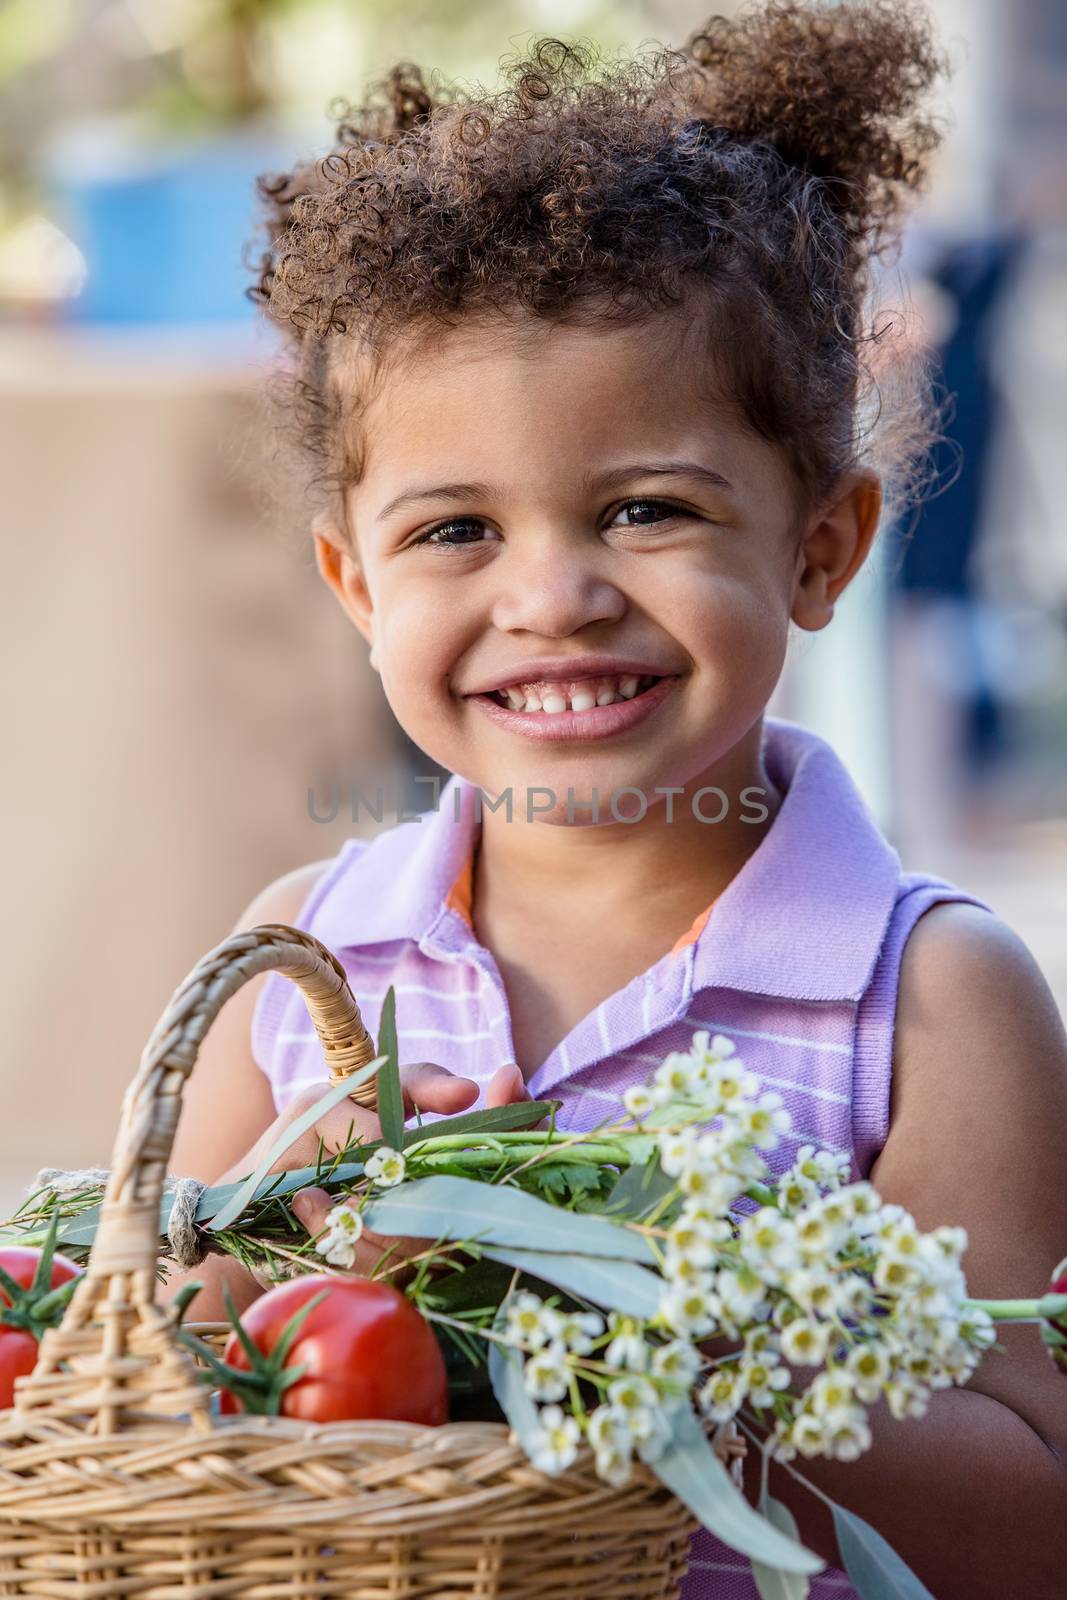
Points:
(277, 1183)
(390, 1094)
(873, 1565)
(42, 1278)
(334, 1096)
(477, 1283)
(639, 1189)
(564, 1183)
(82, 1228)
(772, 1584)
(458, 1208)
(496, 1119)
(618, 1285)
(691, 1470)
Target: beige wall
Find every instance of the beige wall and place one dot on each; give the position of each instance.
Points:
(175, 675)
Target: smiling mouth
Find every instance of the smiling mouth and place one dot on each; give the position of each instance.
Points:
(550, 699)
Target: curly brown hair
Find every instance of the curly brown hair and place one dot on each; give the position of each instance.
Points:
(755, 173)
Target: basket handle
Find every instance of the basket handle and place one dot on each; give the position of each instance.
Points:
(116, 1357)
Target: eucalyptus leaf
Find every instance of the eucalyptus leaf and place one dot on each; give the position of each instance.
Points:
(639, 1189)
(772, 1584)
(82, 1229)
(442, 1207)
(618, 1285)
(390, 1094)
(282, 1183)
(692, 1471)
(876, 1570)
(334, 1096)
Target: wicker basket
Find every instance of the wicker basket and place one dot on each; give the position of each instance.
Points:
(115, 1479)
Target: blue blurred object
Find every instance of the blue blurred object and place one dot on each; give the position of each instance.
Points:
(162, 232)
(936, 562)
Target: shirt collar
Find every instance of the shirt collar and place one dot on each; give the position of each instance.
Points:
(804, 918)
(404, 875)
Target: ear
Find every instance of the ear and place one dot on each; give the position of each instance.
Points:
(340, 571)
(835, 546)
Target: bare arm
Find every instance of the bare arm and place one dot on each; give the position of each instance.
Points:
(970, 1494)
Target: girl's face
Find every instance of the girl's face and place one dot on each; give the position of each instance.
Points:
(568, 494)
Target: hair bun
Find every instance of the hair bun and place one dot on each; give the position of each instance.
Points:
(836, 88)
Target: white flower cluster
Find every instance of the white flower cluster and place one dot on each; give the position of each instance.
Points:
(343, 1231)
(820, 1276)
(896, 1325)
(635, 1412)
(344, 1225)
(385, 1167)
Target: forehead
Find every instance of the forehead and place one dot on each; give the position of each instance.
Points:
(518, 400)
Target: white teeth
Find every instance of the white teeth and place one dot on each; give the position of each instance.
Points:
(553, 701)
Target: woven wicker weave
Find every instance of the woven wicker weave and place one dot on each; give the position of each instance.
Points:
(115, 1479)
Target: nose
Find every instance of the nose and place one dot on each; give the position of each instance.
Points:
(553, 585)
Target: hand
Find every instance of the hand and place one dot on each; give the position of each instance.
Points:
(427, 1087)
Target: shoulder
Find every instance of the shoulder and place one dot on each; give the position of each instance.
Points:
(284, 898)
(979, 1090)
(287, 896)
(964, 969)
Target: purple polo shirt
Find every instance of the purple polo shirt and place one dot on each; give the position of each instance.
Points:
(797, 961)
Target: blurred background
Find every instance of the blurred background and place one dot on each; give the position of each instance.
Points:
(176, 675)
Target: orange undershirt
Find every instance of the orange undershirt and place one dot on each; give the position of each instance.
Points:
(460, 898)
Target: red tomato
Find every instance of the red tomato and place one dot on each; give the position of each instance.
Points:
(18, 1346)
(368, 1353)
(1059, 1286)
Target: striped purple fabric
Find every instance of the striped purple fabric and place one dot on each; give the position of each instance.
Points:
(797, 961)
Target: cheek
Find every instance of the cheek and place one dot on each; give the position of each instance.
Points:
(733, 622)
(420, 637)
(418, 634)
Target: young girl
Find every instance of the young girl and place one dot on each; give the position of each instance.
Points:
(583, 370)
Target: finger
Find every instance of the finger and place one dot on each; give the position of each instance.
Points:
(506, 1087)
(311, 1208)
(429, 1087)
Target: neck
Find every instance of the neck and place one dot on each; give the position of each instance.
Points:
(670, 863)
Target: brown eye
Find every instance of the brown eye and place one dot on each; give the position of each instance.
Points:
(649, 512)
(442, 534)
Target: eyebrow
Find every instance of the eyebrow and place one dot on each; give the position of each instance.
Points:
(439, 491)
(604, 480)
(659, 469)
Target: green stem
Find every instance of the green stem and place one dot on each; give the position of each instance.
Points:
(524, 1136)
(578, 1154)
(1010, 1310)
